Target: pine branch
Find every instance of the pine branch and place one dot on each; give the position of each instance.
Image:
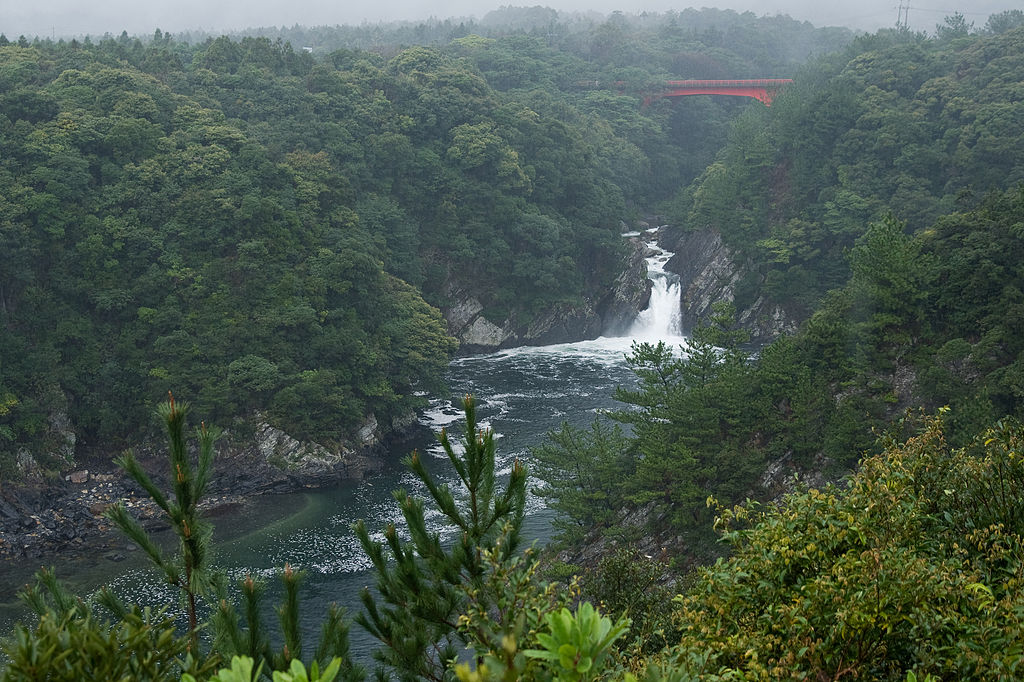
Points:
(133, 530)
(252, 597)
(288, 614)
(207, 436)
(131, 466)
(423, 590)
(106, 598)
(228, 638)
(50, 594)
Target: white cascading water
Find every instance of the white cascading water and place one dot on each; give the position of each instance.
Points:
(661, 320)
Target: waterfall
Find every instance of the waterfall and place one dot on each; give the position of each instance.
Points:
(661, 320)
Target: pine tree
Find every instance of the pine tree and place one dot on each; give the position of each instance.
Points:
(422, 584)
(189, 572)
(231, 639)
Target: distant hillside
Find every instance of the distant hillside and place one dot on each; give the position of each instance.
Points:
(894, 124)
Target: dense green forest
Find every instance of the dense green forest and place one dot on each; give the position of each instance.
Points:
(272, 232)
(907, 304)
(895, 124)
(275, 231)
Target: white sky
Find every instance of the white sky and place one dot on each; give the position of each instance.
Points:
(140, 17)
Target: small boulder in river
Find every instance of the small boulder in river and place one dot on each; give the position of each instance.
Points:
(78, 477)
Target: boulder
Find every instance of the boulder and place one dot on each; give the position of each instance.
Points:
(78, 477)
(485, 334)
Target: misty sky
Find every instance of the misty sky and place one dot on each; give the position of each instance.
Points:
(140, 17)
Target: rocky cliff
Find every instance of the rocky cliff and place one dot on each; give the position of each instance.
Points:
(630, 293)
(606, 311)
(710, 272)
(559, 324)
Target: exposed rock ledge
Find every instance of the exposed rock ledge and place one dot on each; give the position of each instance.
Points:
(45, 518)
(476, 334)
(606, 312)
(709, 272)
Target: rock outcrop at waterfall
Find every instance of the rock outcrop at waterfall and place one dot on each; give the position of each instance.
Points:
(608, 312)
(630, 293)
(561, 323)
(710, 272)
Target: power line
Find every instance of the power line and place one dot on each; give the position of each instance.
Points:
(947, 11)
(903, 13)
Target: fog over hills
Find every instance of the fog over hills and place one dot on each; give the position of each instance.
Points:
(64, 18)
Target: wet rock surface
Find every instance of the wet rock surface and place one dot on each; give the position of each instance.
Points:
(560, 323)
(709, 272)
(629, 295)
(56, 519)
(67, 520)
(608, 311)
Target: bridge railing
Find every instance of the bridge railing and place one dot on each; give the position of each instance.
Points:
(748, 83)
(692, 83)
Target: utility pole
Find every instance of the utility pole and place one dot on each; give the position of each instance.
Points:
(903, 16)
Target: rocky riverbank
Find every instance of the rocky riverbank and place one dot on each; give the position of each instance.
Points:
(56, 519)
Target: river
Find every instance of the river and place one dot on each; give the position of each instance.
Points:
(521, 394)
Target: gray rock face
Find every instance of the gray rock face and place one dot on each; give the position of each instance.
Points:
(58, 440)
(279, 453)
(485, 334)
(783, 476)
(281, 450)
(463, 313)
(64, 434)
(709, 272)
(368, 432)
(609, 312)
(476, 334)
(562, 324)
(28, 467)
(630, 295)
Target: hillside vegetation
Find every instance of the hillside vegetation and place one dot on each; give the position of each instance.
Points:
(880, 200)
(907, 305)
(895, 124)
(273, 233)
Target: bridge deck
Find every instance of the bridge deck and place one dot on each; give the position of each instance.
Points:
(761, 89)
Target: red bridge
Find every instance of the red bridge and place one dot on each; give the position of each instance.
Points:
(762, 89)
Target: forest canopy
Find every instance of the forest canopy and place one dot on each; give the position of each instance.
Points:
(273, 232)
